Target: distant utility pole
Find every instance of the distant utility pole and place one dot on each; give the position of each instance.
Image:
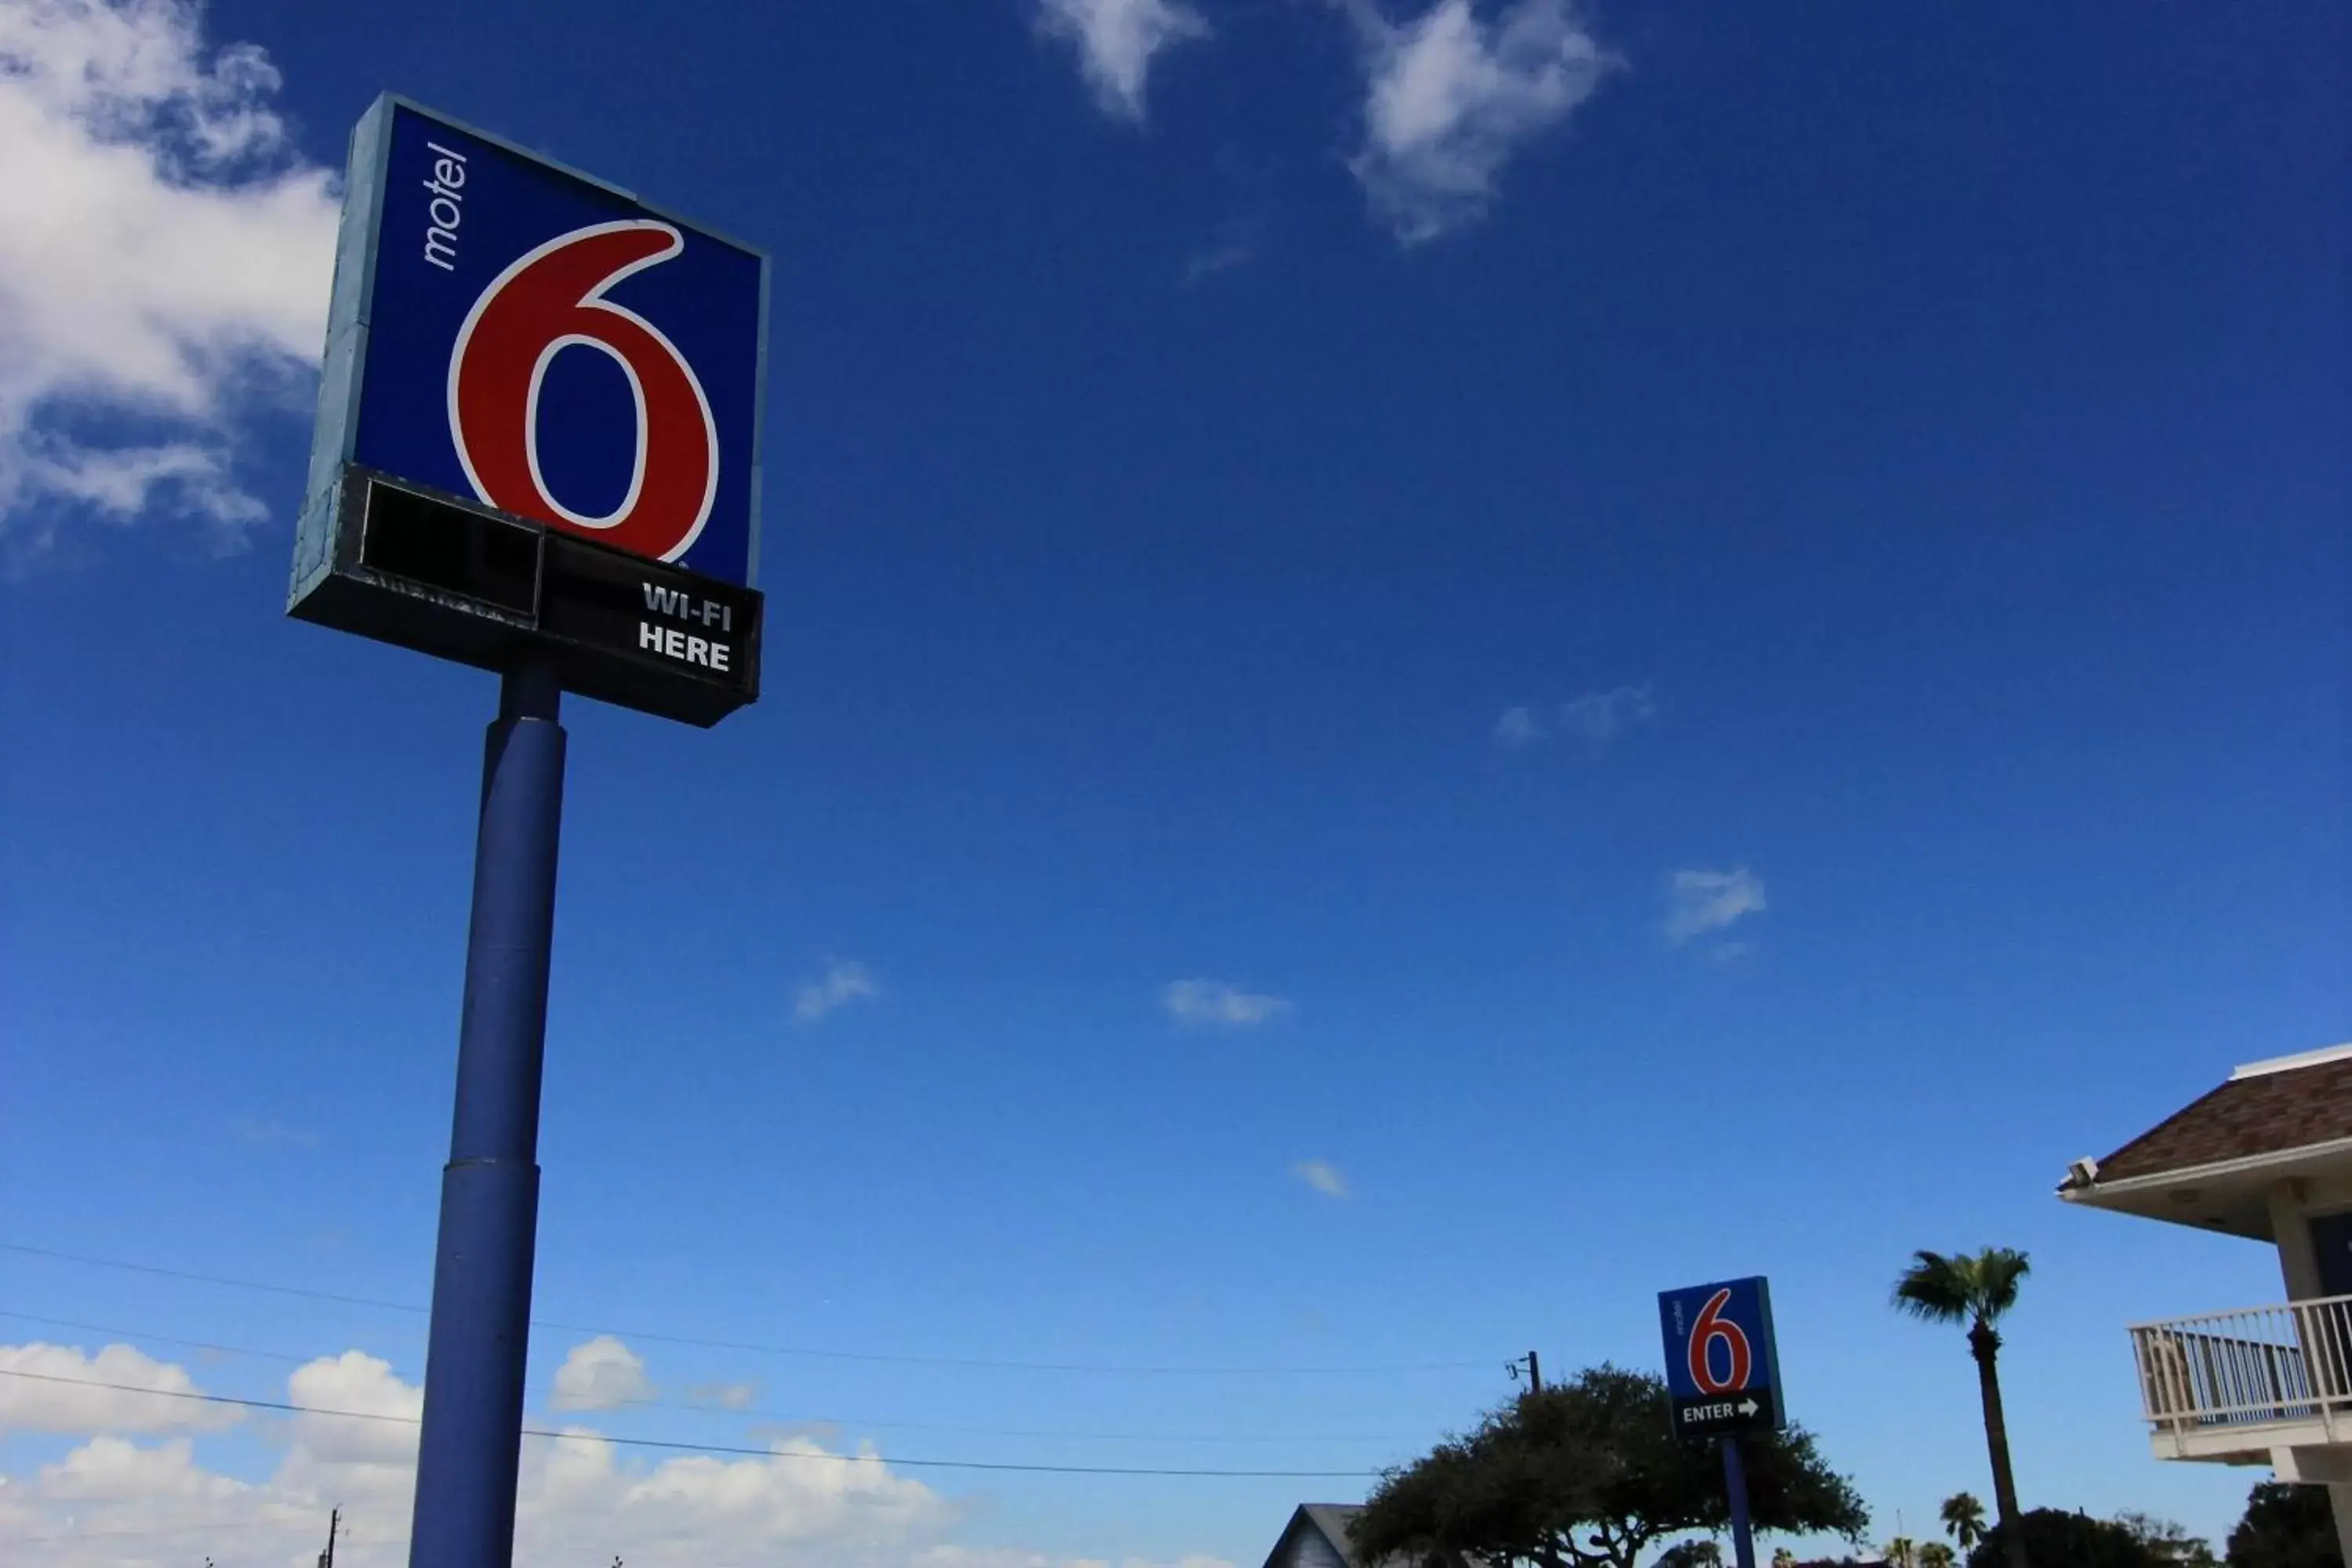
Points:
(1535, 1386)
(327, 1557)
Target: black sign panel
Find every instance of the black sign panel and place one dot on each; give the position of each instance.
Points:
(1727, 1415)
(431, 572)
(416, 539)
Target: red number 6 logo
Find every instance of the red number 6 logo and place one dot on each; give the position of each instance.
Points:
(1710, 1327)
(550, 299)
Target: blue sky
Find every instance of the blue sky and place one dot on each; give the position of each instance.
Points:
(1719, 638)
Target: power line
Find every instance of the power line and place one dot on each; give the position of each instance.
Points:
(284, 1407)
(303, 1291)
(157, 1339)
(128, 1334)
(201, 1526)
(652, 1337)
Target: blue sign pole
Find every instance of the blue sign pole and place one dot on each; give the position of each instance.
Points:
(1734, 1485)
(471, 1448)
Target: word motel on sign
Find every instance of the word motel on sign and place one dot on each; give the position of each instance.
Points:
(444, 212)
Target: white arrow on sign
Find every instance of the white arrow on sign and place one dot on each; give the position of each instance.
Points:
(1748, 1407)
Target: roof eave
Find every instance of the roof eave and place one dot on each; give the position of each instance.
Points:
(2281, 1162)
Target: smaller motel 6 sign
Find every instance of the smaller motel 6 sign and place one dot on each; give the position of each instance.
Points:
(1722, 1370)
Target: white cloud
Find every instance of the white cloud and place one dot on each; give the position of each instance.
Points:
(1702, 902)
(583, 1497)
(1597, 717)
(356, 1385)
(1323, 1176)
(602, 1374)
(164, 256)
(1450, 98)
(38, 1392)
(844, 983)
(797, 1504)
(1117, 40)
(1214, 1002)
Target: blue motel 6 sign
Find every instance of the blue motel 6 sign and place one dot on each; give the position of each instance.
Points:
(1723, 1370)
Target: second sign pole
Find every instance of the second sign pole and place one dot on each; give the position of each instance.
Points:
(1735, 1487)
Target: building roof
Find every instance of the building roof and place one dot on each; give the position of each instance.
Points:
(1331, 1519)
(2265, 1108)
(2212, 1164)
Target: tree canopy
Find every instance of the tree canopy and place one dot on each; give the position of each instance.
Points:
(1974, 1289)
(2286, 1526)
(1964, 1519)
(1590, 1473)
(2076, 1540)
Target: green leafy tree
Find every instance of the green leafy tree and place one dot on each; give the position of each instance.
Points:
(1936, 1554)
(1692, 1555)
(1976, 1290)
(2286, 1526)
(1902, 1553)
(1588, 1474)
(2167, 1542)
(2065, 1541)
(1964, 1520)
(1784, 1558)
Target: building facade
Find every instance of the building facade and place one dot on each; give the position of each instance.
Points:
(2267, 1156)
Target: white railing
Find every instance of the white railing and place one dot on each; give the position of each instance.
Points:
(2288, 1362)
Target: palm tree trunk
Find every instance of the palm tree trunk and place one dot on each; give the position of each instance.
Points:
(1984, 1345)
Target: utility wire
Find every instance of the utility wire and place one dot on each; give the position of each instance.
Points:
(751, 1346)
(284, 1407)
(713, 1409)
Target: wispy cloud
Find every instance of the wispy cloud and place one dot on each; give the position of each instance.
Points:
(1323, 1176)
(1516, 728)
(268, 1131)
(843, 983)
(723, 1395)
(1215, 1002)
(1117, 41)
(1596, 719)
(1701, 901)
(164, 255)
(1234, 245)
(1450, 98)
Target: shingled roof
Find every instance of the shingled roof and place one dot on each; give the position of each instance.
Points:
(2265, 1108)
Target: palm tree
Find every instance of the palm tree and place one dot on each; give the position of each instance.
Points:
(1784, 1558)
(1975, 1290)
(1964, 1520)
(1900, 1553)
(1936, 1554)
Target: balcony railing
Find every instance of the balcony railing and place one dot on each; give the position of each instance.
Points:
(2288, 1362)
